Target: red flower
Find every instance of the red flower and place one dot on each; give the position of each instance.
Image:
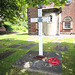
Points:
(54, 61)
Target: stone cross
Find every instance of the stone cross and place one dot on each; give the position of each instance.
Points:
(40, 19)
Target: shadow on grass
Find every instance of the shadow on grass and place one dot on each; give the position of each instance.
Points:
(68, 58)
(5, 32)
(23, 34)
(68, 63)
(6, 63)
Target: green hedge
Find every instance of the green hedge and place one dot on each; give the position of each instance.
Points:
(19, 28)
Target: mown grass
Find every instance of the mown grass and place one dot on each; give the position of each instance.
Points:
(68, 58)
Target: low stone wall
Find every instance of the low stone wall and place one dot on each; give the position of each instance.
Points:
(2, 28)
(33, 33)
(68, 33)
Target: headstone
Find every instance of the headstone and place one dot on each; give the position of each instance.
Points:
(29, 63)
(28, 46)
(40, 20)
(61, 48)
(6, 54)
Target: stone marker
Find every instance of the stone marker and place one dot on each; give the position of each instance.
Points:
(40, 19)
(29, 63)
(28, 46)
(6, 54)
(17, 45)
(61, 48)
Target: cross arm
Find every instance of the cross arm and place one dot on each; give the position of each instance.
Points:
(46, 19)
(34, 19)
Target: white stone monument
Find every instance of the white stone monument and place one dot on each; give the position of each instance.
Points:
(40, 19)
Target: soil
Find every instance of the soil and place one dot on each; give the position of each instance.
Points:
(6, 54)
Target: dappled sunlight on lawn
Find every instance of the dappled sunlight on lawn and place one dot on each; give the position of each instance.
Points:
(49, 44)
(69, 63)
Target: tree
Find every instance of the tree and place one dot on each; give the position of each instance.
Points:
(11, 10)
(45, 2)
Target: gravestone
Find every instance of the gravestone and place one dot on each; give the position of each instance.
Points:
(29, 63)
(6, 54)
(61, 48)
(40, 19)
(28, 46)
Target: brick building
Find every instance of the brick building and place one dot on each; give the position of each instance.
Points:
(62, 21)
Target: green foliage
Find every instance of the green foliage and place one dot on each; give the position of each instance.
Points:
(19, 28)
(10, 10)
(15, 10)
(45, 2)
(8, 28)
(24, 29)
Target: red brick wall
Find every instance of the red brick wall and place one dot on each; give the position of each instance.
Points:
(68, 10)
(32, 13)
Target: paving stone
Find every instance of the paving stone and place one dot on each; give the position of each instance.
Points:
(6, 54)
(17, 45)
(61, 48)
(29, 63)
(28, 46)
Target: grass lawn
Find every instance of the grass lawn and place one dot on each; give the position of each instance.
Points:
(68, 58)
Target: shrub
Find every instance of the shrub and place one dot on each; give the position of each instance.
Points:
(8, 28)
(19, 28)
